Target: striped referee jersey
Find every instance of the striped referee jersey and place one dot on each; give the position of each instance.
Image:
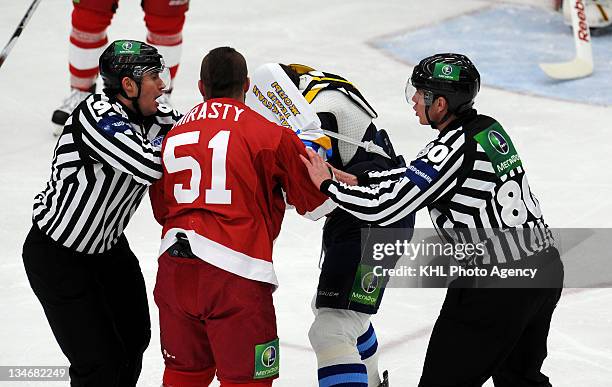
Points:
(470, 177)
(103, 163)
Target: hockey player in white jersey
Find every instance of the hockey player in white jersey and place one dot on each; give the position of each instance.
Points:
(342, 335)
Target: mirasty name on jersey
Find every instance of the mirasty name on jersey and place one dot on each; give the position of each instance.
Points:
(215, 110)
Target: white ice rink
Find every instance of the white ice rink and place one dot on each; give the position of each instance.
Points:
(566, 149)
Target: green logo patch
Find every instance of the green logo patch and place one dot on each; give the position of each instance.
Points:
(127, 47)
(499, 148)
(447, 71)
(266, 360)
(366, 286)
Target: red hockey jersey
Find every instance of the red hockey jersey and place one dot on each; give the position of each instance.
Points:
(227, 173)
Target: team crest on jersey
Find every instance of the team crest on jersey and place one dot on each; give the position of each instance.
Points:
(114, 124)
(157, 141)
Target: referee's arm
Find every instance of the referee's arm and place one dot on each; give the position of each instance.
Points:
(422, 182)
(122, 148)
(377, 177)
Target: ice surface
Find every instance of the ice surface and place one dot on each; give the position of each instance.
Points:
(540, 35)
(566, 149)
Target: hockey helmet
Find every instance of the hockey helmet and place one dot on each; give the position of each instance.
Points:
(128, 58)
(452, 76)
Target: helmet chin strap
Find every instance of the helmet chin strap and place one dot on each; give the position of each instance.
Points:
(434, 124)
(134, 100)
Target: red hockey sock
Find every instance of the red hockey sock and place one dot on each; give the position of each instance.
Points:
(87, 41)
(166, 33)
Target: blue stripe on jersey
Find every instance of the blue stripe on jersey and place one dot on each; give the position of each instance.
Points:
(315, 147)
(421, 174)
(345, 375)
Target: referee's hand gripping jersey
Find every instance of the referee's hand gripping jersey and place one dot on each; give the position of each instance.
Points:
(342, 308)
(76, 256)
(470, 178)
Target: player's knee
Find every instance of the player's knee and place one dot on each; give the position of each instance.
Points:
(165, 17)
(164, 25)
(165, 7)
(330, 328)
(92, 16)
(176, 378)
(318, 332)
(90, 20)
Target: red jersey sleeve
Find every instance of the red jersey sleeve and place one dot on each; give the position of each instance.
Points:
(156, 194)
(294, 178)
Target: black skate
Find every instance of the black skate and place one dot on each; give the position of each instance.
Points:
(61, 114)
(385, 381)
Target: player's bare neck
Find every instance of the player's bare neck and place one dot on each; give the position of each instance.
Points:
(240, 97)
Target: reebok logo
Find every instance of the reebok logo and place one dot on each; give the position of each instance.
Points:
(583, 31)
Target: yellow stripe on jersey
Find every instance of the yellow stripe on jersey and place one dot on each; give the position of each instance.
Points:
(312, 94)
(300, 68)
(324, 142)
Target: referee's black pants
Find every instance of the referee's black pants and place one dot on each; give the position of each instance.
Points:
(96, 306)
(499, 333)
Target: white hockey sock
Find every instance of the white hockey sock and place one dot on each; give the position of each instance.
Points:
(367, 344)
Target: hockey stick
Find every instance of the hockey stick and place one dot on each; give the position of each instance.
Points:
(582, 64)
(17, 32)
(369, 146)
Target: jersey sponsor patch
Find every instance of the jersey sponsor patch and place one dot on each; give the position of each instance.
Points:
(447, 71)
(366, 286)
(421, 174)
(266, 360)
(114, 124)
(499, 148)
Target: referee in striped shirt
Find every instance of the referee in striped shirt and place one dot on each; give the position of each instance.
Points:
(76, 256)
(472, 181)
